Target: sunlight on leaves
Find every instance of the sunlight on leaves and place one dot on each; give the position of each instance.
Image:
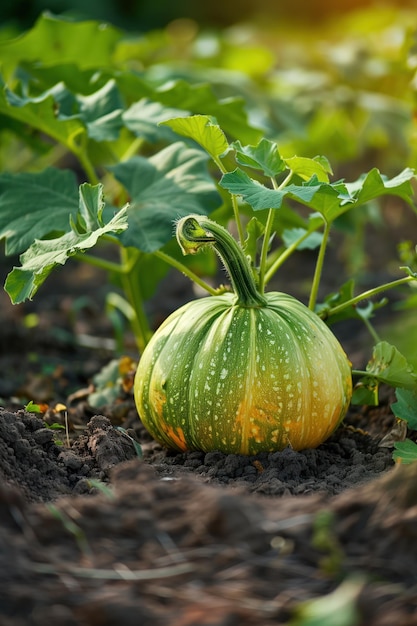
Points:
(306, 168)
(87, 44)
(202, 129)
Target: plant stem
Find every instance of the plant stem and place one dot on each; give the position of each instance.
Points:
(267, 234)
(264, 251)
(371, 329)
(284, 256)
(80, 151)
(140, 324)
(88, 168)
(185, 270)
(319, 267)
(235, 204)
(129, 258)
(109, 266)
(370, 293)
(132, 149)
(360, 373)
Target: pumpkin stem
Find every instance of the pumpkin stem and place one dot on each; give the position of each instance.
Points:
(196, 231)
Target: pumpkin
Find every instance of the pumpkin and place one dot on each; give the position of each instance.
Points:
(240, 372)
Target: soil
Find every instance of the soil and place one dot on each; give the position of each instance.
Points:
(95, 531)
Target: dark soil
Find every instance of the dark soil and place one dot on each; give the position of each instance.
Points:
(91, 534)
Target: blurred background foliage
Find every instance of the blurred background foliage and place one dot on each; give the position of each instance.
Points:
(319, 77)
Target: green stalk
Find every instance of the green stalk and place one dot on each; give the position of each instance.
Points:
(235, 204)
(319, 268)
(284, 256)
(369, 294)
(103, 264)
(140, 323)
(185, 270)
(79, 150)
(133, 149)
(267, 235)
(129, 258)
(265, 250)
(196, 231)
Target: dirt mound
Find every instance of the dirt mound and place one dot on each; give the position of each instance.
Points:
(31, 457)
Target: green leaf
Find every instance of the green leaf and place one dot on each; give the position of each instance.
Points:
(406, 406)
(41, 113)
(405, 452)
(145, 119)
(306, 168)
(264, 156)
(312, 241)
(169, 185)
(107, 384)
(331, 200)
(43, 255)
(31, 407)
(389, 366)
(202, 129)
(34, 205)
(101, 112)
(260, 197)
(373, 185)
(53, 40)
(254, 231)
(91, 207)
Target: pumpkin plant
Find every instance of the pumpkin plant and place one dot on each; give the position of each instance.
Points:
(241, 372)
(249, 371)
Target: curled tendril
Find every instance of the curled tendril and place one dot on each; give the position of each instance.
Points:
(196, 231)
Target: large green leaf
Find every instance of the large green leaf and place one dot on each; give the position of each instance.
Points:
(40, 113)
(169, 185)
(43, 255)
(101, 112)
(34, 205)
(202, 129)
(53, 40)
(144, 119)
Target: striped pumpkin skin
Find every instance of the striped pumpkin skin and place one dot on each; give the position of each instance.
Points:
(220, 376)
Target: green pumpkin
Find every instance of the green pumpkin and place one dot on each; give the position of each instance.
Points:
(241, 372)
